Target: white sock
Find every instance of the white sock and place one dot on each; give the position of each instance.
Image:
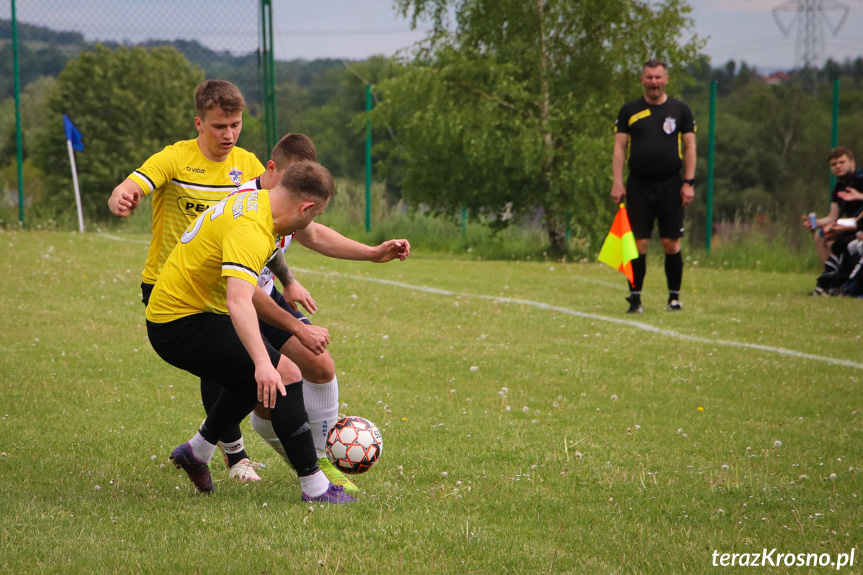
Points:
(315, 484)
(264, 428)
(234, 447)
(322, 406)
(201, 448)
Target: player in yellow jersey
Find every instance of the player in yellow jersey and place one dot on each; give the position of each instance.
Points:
(185, 179)
(320, 385)
(201, 318)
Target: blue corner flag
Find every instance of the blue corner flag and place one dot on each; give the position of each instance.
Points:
(73, 135)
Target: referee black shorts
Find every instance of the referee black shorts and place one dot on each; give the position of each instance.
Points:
(655, 200)
(207, 345)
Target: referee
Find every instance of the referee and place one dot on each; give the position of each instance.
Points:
(658, 135)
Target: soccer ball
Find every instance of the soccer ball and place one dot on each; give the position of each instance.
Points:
(354, 444)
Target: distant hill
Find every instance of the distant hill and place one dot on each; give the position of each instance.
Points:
(44, 52)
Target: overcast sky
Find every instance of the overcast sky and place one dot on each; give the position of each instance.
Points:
(356, 29)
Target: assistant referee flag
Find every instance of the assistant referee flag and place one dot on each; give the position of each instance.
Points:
(618, 249)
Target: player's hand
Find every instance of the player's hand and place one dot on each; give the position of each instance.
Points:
(269, 384)
(297, 293)
(391, 250)
(687, 194)
(124, 204)
(832, 231)
(618, 192)
(850, 195)
(806, 222)
(314, 338)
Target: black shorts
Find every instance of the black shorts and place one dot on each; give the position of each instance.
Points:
(649, 200)
(146, 290)
(277, 336)
(207, 345)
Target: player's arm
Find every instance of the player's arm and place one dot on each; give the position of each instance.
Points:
(239, 298)
(618, 159)
(294, 292)
(329, 242)
(125, 198)
(687, 191)
(831, 216)
(314, 337)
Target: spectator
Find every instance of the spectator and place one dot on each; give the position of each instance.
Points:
(830, 239)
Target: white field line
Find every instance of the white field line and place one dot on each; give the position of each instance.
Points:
(119, 239)
(634, 324)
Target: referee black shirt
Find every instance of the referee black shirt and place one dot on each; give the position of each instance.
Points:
(655, 136)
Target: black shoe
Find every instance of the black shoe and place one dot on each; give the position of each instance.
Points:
(634, 304)
(674, 305)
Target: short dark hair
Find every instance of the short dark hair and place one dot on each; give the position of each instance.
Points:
(838, 152)
(309, 180)
(212, 94)
(293, 148)
(654, 63)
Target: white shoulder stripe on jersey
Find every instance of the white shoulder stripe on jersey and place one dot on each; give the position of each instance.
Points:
(240, 268)
(144, 177)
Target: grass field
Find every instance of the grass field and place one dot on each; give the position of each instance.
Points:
(529, 425)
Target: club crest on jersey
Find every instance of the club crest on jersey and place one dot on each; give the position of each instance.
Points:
(236, 176)
(669, 125)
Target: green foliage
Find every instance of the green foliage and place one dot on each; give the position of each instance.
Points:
(127, 103)
(512, 111)
(771, 147)
(41, 52)
(328, 104)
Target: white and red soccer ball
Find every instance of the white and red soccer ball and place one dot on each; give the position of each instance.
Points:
(354, 444)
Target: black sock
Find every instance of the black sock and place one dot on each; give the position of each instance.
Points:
(673, 274)
(639, 269)
(210, 393)
(291, 424)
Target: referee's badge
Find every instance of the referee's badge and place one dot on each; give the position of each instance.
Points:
(669, 125)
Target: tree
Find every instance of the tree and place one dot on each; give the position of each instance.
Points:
(509, 110)
(128, 103)
(328, 106)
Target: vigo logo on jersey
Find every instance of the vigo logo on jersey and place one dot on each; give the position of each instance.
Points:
(193, 207)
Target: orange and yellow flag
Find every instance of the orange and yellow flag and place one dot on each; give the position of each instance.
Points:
(618, 249)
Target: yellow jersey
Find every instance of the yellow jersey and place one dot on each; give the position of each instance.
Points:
(233, 238)
(184, 184)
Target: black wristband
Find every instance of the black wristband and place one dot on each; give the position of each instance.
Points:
(690, 181)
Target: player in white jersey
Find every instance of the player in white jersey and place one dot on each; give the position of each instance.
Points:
(320, 386)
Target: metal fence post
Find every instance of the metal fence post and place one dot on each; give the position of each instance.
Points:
(711, 138)
(834, 128)
(19, 140)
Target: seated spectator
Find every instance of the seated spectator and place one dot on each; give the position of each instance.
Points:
(832, 236)
(853, 285)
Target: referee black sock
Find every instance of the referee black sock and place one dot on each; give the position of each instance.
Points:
(639, 269)
(673, 274)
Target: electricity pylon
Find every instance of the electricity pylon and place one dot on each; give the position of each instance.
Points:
(809, 15)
